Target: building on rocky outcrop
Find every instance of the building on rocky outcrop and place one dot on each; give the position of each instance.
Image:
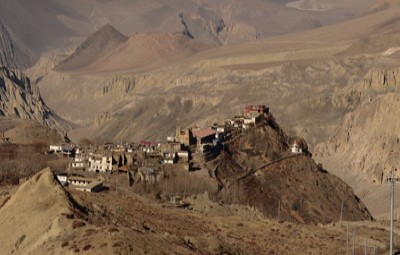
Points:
(299, 146)
(253, 118)
(262, 109)
(204, 135)
(296, 149)
(254, 114)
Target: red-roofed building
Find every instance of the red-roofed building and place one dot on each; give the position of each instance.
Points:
(205, 135)
(256, 108)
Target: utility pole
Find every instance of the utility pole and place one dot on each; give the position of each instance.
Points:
(392, 179)
(354, 241)
(279, 210)
(341, 214)
(347, 240)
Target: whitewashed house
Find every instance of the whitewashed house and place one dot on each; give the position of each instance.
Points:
(100, 163)
(80, 162)
(296, 149)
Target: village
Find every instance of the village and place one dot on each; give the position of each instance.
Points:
(90, 167)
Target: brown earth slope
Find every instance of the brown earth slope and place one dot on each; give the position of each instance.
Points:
(307, 78)
(42, 218)
(34, 215)
(93, 48)
(145, 50)
(259, 170)
(53, 25)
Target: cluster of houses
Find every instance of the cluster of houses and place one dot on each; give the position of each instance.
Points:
(188, 144)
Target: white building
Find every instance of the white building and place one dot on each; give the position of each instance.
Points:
(80, 162)
(62, 178)
(296, 149)
(100, 164)
(85, 184)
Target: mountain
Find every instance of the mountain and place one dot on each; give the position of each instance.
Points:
(52, 26)
(364, 149)
(380, 5)
(21, 99)
(107, 51)
(307, 78)
(93, 48)
(148, 51)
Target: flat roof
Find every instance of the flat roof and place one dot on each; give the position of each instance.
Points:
(78, 178)
(201, 133)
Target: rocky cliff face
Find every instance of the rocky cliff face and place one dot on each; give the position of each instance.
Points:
(19, 98)
(365, 148)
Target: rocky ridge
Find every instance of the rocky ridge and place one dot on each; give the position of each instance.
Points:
(21, 99)
(93, 48)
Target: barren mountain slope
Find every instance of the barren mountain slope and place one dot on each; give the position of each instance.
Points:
(380, 5)
(147, 50)
(139, 225)
(54, 25)
(309, 94)
(364, 149)
(21, 99)
(93, 48)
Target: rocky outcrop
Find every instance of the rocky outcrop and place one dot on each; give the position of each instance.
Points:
(365, 148)
(382, 80)
(21, 99)
(260, 170)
